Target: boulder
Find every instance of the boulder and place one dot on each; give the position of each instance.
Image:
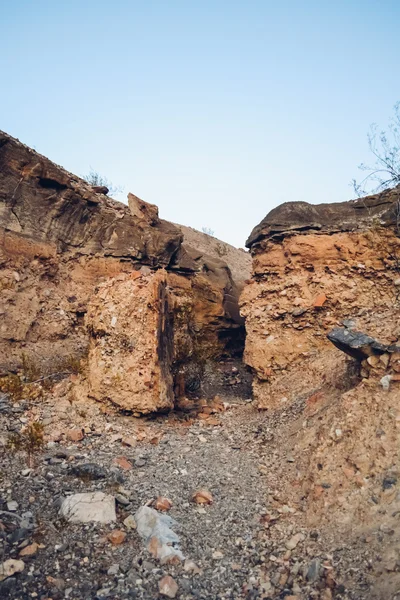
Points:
(131, 342)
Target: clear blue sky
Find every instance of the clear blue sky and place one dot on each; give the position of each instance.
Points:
(217, 111)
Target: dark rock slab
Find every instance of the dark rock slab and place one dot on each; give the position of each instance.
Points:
(89, 471)
(357, 344)
(301, 217)
(42, 202)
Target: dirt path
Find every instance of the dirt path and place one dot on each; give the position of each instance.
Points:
(247, 544)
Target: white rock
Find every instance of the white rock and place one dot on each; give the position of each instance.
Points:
(9, 567)
(88, 507)
(385, 382)
(12, 506)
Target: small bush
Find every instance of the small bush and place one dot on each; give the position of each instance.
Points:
(30, 440)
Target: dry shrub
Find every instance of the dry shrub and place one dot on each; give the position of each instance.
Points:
(29, 440)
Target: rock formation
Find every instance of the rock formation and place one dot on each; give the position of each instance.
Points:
(61, 238)
(316, 268)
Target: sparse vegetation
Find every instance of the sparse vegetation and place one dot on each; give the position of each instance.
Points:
(384, 172)
(94, 178)
(208, 231)
(30, 369)
(29, 440)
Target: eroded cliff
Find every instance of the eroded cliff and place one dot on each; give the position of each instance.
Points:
(314, 268)
(61, 238)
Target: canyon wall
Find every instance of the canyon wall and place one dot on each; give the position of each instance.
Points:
(316, 268)
(61, 239)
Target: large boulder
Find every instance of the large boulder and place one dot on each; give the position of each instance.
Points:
(130, 351)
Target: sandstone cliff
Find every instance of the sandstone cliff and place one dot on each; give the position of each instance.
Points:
(316, 267)
(60, 238)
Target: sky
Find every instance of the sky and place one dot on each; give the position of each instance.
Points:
(216, 111)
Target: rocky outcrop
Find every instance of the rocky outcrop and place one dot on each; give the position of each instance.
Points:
(131, 346)
(61, 238)
(46, 205)
(58, 238)
(237, 259)
(300, 217)
(316, 268)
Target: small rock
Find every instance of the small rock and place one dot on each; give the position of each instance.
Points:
(162, 504)
(56, 582)
(319, 301)
(156, 530)
(123, 463)
(191, 567)
(130, 522)
(373, 361)
(75, 435)
(122, 500)
(113, 570)
(313, 570)
(167, 586)
(10, 567)
(202, 496)
(89, 471)
(389, 482)
(29, 550)
(117, 537)
(385, 382)
(12, 506)
(128, 441)
(217, 555)
(294, 541)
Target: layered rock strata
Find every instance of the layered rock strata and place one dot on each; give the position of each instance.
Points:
(61, 238)
(316, 268)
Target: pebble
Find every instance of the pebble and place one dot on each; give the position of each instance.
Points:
(168, 587)
(122, 500)
(113, 570)
(191, 567)
(117, 537)
(10, 567)
(313, 571)
(75, 435)
(294, 541)
(130, 522)
(123, 463)
(29, 550)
